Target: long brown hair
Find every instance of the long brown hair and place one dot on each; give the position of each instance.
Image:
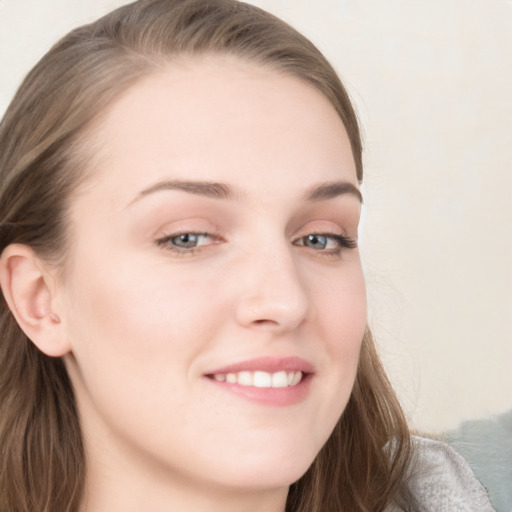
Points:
(43, 156)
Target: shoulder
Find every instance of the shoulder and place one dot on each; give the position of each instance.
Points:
(442, 481)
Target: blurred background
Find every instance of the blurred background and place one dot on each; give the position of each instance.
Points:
(432, 84)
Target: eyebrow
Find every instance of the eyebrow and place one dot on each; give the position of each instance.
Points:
(215, 190)
(333, 189)
(209, 189)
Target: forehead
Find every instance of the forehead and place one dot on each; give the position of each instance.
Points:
(224, 119)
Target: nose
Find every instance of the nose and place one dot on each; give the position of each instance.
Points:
(273, 295)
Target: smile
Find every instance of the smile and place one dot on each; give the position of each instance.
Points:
(261, 379)
(268, 381)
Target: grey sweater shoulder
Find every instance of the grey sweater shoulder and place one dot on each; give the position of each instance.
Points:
(442, 481)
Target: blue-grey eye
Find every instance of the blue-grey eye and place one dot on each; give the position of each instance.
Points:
(316, 241)
(186, 240)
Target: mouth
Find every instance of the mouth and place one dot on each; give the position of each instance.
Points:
(268, 381)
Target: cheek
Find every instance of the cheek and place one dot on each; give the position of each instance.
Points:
(132, 323)
(135, 333)
(342, 311)
(132, 297)
(341, 314)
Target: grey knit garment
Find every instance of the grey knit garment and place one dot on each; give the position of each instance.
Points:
(442, 481)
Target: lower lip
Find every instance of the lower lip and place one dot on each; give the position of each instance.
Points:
(280, 397)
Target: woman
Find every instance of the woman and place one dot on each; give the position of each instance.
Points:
(184, 325)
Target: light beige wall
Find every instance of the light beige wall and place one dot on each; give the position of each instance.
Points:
(432, 84)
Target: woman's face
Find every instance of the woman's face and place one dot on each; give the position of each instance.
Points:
(214, 302)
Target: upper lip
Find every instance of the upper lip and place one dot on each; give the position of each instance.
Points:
(267, 364)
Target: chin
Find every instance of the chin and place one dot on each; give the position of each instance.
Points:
(258, 479)
(269, 469)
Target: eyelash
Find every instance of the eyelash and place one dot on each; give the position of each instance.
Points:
(166, 243)
(342, 243)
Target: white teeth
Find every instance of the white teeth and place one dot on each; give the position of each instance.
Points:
(261, 379)
(296, 378)
(245, 378)
(279, 380)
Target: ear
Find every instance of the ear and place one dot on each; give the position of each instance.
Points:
(29, 290)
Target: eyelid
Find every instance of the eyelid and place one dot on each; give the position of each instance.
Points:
(343, 243)
(174, 234)
(348, 241)
(164, 240)
(327, 226)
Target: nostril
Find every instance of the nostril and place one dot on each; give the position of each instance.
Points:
(264, 322)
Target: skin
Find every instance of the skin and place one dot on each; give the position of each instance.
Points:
(145, 321)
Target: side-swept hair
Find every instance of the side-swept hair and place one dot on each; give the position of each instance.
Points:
(43, 157)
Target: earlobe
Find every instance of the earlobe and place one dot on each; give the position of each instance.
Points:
(27, 287)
